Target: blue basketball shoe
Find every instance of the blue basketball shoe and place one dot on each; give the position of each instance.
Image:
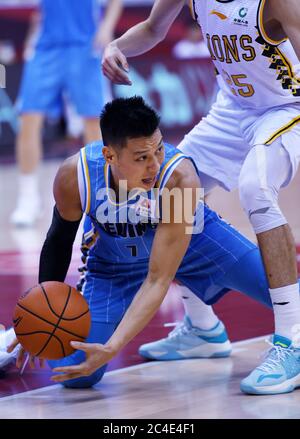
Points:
(187, 341)
(279, 373)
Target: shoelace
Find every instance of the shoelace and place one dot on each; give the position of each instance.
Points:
(180, 329)
(273, 356)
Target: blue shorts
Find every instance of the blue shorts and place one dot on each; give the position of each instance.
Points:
(110, 286)
(53, 75)
(110, 292)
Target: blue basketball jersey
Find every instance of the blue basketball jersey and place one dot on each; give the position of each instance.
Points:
(68, 22)
(124, 231)
(118, 238)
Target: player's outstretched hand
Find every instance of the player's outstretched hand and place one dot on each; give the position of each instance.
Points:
(115, 66)
(96, 356)
(21, 361)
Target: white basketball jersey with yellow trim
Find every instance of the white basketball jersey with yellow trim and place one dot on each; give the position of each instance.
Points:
(257, 71)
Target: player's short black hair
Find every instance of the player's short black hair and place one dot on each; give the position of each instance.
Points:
(127, 118)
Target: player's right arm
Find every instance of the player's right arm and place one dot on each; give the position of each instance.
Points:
(139, 39)
(57, 249)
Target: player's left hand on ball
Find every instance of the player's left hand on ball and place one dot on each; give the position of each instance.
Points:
(96, 356)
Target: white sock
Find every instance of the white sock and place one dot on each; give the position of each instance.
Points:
(28, 186)
(286, 306)
(201, 315)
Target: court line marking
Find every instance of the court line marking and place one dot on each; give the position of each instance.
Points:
(129, 368)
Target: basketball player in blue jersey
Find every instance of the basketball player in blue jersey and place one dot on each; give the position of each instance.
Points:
(64, 64)
(250, 140)
(140, 239)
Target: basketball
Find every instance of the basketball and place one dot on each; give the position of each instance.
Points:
(48, 316)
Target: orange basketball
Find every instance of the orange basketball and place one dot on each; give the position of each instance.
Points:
(48, 317)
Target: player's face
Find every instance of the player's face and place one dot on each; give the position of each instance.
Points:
(139, 162)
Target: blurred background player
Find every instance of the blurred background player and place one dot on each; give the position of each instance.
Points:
(62, 63)
(251, 136)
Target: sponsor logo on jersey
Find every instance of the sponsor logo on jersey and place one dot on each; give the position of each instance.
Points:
(219, 14)
(243, 12)
(146, 209)
(240, 17)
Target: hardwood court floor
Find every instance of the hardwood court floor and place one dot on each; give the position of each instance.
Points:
(185, 389)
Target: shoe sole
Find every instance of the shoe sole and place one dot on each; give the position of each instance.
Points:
(287, 386)
(222, 351)
(175, 357)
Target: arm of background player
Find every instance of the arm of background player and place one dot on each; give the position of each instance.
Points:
(169, 247)
(287, 12)
(34, 25)
(139, 39)
(105, 32)
(57, 249)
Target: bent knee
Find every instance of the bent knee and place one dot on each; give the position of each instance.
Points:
(255, 197)
(250, 191)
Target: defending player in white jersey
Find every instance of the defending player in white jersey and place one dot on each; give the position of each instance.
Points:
(250, 138)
